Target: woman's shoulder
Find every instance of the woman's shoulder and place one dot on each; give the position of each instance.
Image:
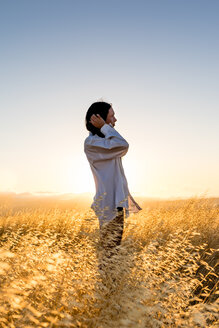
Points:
(90, 139)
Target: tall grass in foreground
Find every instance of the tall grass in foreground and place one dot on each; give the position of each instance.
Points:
(165, 273)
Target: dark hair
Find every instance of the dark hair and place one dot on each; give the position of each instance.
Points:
(101, 108)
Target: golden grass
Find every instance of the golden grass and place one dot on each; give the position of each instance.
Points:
(165, 273)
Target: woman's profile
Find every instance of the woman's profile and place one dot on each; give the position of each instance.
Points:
(104, 148)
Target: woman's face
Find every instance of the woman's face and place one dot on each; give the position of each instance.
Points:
(111, 117)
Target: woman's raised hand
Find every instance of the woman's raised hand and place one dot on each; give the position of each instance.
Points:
(97, 121)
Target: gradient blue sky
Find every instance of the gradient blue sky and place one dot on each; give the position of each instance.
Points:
(157, 62)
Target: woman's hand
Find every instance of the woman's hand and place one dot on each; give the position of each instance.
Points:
(97, 121)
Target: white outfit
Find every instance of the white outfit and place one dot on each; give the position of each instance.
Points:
(104, 156)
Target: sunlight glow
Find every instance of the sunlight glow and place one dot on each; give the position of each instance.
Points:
(8, 180)
(78, 178)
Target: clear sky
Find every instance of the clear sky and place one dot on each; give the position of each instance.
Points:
(157, 62)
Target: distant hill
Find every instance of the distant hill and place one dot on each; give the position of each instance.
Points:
(76, 200)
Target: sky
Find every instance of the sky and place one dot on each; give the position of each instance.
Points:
(156, 61)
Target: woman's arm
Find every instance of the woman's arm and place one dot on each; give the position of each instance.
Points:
(100, 149)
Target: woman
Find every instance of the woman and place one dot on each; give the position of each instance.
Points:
(104, 148)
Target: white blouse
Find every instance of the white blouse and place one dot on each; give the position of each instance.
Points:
(104, 156)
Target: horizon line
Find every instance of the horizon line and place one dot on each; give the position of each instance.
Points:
(53, 193)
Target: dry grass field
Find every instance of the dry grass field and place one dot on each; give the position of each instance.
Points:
(165, 273)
